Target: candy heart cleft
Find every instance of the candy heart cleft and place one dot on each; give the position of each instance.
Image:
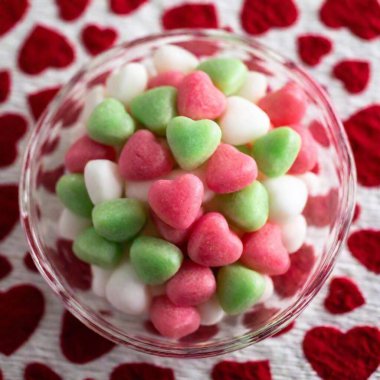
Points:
(119, 219)
(192, 142)
(248, 208)
(228, 74)
(155, 260)
(239, 288)
(92, 248)
(109, 123)
(155, 108)
(276, 152)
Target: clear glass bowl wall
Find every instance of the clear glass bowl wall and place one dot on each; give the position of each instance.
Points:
(70, 279)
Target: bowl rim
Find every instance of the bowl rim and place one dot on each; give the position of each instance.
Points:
(286, 316)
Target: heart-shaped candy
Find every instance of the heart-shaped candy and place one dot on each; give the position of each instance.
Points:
(212, 244)
(285, 106)
(154, 108)
(276, 152)
(228, 74)
(265, 252)
(192, 142)
(177, 202)
(247, 208)
(229, 170)
(198, 98)
(242, 121)
(144, 157)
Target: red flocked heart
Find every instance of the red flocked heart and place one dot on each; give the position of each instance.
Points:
(365, 247)
(194, 15)
(97, 39)
(319, 133)
(9, 208)
(71, 10)
(79, 344)
(141, 371)
(252, 370)
(38, 101)
(357, 212)
(312, 48)
(23, 306)
(344, 296)
(12, 128)
(39, 371)
(203, 334)
(49, 178)
(259, 316)
(353, 73)
(361, 17)
(11, 12)
(320, 210)
(285, 330)
(76, 272)
(124, 7)
(5, 85)
(29, 263)
(5, 267)
(334, 355)
(301, 264)
(363, 130)
(259, 16)
(57, 51)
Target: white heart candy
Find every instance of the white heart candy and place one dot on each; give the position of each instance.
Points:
(287, 197)
(210, 312)
(312, 182)
(170, 57)
(294, 233)
(125, 84)
(100, 278)
(138, 189)
(254, 87)
(268, 291)
(103, 181)
(242, 121)
(126, 292)
(71, 225)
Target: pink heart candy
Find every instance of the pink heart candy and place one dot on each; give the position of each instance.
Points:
(174, 235)
(198, 98)
(230, 170)
(177, 202)
(145, 157)
(264, 251)
(167, 78)
(285, 106)
(211, 242)
(308, 155)
(84, 150)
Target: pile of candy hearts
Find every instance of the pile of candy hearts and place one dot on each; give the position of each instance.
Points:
(186, 189)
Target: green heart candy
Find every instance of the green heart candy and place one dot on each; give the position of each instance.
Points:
(247, 208)
(155, 108)
(276, 152)
(155, 260)
(228, 74)
(192, 142)
(110, 123)
(72, 192)
(119, 219)
(94, 249)
(239, 288)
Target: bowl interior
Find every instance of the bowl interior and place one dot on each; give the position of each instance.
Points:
(328, 215)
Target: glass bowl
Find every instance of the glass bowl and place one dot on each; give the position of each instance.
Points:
(329, 215)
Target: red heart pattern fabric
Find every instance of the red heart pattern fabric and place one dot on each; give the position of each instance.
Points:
(344, 296)
(335, 355)
(43, 46)
(21, 308)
